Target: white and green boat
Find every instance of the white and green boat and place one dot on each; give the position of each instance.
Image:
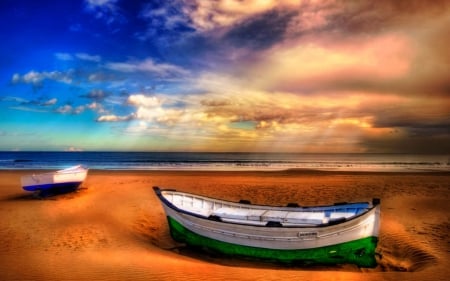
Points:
(335, 234)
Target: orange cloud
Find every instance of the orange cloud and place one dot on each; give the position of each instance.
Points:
(209, 15)
(302, 64)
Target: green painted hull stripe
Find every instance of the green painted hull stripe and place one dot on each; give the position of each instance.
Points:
(360, 252)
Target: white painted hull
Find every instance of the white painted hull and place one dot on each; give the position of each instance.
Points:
(339, 233)
(73, 176)
(246, 226)
(286, 238)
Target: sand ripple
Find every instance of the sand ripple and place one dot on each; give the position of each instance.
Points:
(400, 251)
(116, 229)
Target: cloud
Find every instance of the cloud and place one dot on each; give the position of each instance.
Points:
(14, 99)
(23, 101)
(88, 57)
(115, 118)
(69, 109)
(36, 78)
(317, 65)
(176, 21)
(100, 3)
(153, 109)
(344, 119)
(145, 101)
(215, 102)
(64, 56)
(312, 76)
(76, 27)
(97, 107)
(207, 15)
(373, 17)
(260, 31)
(167, 15)
(96, 94)
(314, 46)
(415, 115)
(65, 109)
(75, 110)
(400, 141)
(80, 56)
(107, 10)
(147, 65)
(50, 102)
(24, 108)
(16, 78)
(241, 118)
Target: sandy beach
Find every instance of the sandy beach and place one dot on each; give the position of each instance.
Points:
(114, 228)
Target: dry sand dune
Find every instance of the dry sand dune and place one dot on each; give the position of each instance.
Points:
(114, 228)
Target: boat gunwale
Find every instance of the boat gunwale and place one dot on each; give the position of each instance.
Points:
(71, 170)
(49, 181)
(158, 191)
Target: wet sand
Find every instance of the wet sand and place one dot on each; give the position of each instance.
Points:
(114, 227)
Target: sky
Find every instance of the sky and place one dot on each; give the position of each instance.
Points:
(225, 76)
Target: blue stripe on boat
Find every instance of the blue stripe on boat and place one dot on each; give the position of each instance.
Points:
(65, 185)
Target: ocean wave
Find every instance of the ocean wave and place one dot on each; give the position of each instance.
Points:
(223, 161)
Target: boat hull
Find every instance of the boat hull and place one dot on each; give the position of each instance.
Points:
(56, 182)
(360, 252)
(351, 240)
(65, 186)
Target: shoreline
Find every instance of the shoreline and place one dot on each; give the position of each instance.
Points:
(281, 171)
(114, 227)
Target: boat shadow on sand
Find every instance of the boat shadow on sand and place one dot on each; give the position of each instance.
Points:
(396, 252)
(49, 195)
(405, 258)
(401, 257)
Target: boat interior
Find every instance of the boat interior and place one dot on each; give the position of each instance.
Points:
(245, 213)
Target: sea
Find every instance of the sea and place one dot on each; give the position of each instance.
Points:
(207, 161)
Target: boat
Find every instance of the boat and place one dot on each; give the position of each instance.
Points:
(343, 233)
(65, 180)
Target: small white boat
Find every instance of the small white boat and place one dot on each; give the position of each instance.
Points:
(335, 234)
(62, 181)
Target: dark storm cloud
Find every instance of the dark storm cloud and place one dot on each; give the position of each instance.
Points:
(409, 143)
(261, 31)
(376, 16)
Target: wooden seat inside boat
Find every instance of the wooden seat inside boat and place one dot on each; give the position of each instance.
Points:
(264, 216)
